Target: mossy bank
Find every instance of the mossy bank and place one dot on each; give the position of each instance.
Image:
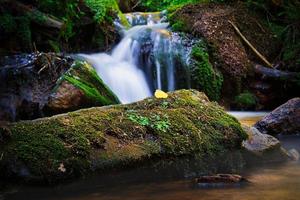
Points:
(103, 138)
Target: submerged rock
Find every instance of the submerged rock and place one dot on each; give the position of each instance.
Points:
(263, 146)
(294, 154)
(45, 83)
(104, 138)
(283, 120)
(220, 180)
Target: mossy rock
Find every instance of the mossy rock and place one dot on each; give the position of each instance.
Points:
(104, 138)
(80, 87)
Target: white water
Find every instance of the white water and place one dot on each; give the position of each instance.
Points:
(120, 73)
(142, 62)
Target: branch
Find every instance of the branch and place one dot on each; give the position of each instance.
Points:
(250, 45)
(137, 4)
(275, 74)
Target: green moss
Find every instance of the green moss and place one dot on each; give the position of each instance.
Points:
(7, 23)
(155, 5)
(157, 122)
(83, 76)
(178, 23)
(102, 8)
(123, 20)
(179, 26)
(204, 76)
(103, 138)
(245, 100)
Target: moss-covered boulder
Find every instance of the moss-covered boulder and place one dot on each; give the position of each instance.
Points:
(80, 87)
(102, 138)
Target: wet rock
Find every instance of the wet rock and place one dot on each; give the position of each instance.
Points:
(283, 120)
(220, 180)
(263, 146)
(31, 83)
(79, 87)
(258, 142)
(66, 97)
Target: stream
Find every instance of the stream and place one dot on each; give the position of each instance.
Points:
(268, 181)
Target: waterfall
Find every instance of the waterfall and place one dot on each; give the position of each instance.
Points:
(145, 59)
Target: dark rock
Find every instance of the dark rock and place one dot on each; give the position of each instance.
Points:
(220, 179)
(35, 85)
(4, 133)
(283, 120)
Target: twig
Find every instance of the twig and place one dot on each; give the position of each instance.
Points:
(43, 68)
(138, 3)
(250, 45)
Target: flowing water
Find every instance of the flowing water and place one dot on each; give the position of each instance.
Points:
(148, 57)
(175, 181)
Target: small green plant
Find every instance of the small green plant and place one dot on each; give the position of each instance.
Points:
(157, 122)
(143, 121)
(160, 123)
(165, 104)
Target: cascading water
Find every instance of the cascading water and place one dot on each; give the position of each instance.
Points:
(148, 57)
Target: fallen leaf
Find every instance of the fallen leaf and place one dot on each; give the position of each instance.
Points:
(160, 94)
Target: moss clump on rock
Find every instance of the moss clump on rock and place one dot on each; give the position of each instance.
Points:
(108, 137)
(83, 76)
(80, 87)
(204, 76)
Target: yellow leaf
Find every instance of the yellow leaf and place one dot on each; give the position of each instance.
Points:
(160, 94)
